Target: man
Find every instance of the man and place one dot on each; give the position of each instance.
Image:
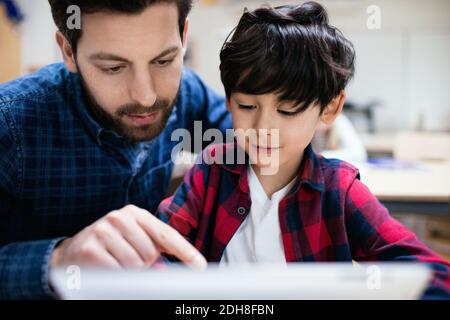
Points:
(85, 145)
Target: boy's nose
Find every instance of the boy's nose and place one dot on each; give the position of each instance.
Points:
(265, 121)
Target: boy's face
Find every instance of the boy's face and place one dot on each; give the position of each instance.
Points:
(284, 134)
(131, 67)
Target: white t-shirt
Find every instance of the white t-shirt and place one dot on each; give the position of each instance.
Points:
(258, 238)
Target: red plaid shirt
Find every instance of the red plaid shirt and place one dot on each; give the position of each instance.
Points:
(328, 215)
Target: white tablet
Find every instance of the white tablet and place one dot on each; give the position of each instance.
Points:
(298, 281)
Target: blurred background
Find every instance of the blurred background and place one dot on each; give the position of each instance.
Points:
(396, 123)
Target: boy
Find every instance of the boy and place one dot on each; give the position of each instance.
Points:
(284, 71)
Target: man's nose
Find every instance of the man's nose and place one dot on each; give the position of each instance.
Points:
(142, 89)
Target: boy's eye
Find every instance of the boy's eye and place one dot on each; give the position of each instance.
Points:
(287, 113)
(246, 107)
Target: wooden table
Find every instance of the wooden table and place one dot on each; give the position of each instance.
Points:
(423, 189)
(378, 145)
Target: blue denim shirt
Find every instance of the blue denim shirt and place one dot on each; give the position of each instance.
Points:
(60, 170)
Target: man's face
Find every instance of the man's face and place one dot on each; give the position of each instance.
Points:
(131, 69)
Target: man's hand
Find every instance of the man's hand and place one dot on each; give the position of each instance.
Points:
(127, 238)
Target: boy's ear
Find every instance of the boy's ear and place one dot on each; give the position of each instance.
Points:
(66, 52)
(333, 109)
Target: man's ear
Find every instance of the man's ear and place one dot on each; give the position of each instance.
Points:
(67, 52)
(333, 109)
(185, 37)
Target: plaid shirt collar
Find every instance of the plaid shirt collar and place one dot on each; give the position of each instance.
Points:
(310, 172)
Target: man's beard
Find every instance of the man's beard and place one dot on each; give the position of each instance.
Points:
(133, 134)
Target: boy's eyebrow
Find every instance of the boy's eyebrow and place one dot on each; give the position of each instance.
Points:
(292, 106)
(114, 57)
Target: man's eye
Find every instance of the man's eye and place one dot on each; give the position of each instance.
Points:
(246, 107)
(163, 63)
(113, 70)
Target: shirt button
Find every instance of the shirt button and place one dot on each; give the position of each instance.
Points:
(241, 210)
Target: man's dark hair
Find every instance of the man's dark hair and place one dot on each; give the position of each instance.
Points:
(289, 50)
(60, 15)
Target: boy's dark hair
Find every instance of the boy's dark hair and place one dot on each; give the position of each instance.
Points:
(60, 15)
(289, 50)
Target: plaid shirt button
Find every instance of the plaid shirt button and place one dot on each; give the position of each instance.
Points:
(241, 210)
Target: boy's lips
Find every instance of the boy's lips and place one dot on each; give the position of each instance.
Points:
(265, 148)
(143, 119)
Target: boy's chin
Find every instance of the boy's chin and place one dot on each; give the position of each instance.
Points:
(266, 170)
(262, 162)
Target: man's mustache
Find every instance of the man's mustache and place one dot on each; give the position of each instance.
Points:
(137, 109)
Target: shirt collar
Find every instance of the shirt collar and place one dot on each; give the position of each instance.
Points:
(310, 172)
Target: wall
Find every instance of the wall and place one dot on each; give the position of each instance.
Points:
(404, 64)
(38, 35)
(9, 59)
